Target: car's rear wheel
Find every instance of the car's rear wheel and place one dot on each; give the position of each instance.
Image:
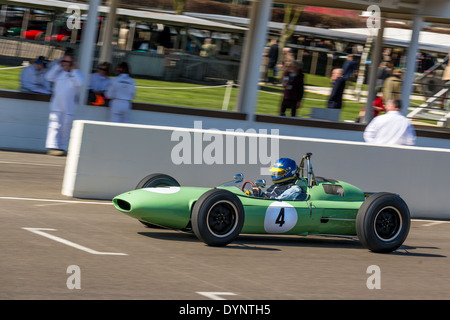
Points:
(153, 181)
(217, 217)
(383, 222)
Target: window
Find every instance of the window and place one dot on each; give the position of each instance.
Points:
(333, 189)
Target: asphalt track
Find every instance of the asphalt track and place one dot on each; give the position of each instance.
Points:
(45, 235)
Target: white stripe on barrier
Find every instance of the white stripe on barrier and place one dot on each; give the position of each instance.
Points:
(180, 88)
(279, 94)
(12, 67)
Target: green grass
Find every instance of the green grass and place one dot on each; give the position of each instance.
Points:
(10, 78)
(319, 81)
(196, 96)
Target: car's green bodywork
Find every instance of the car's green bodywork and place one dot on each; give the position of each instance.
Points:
(330, 208)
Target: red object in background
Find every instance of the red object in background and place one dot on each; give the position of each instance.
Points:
(58, 38)
(336, 12)
(378, 102)
(33, 34)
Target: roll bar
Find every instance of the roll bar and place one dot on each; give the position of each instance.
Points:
(310, 173)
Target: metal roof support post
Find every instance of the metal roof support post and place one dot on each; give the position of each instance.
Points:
(86, 56)
(106, 50)
(372, 84)
(411, 64)
(249, 71)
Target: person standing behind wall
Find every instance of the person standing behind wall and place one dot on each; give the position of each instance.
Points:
(393, 86)
(272, 55)
(67, 79)
(391, 128)
(32, 78)
(293, 83)
(98, 84)
(335, 98)
(349, 66)
(120, 92)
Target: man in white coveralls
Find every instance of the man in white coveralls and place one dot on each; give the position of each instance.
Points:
(67, 80)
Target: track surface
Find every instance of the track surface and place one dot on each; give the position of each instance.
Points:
(44, 234)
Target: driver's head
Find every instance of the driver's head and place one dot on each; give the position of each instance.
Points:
(283, 170)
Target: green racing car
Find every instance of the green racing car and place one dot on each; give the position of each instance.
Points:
(217, 216)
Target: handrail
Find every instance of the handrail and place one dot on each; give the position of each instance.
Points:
(427, 72)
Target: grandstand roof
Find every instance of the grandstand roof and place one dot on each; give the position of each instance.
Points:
(142, 15)
(436, 11)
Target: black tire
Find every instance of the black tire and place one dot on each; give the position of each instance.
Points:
(383, 222)
(157, 180)
(217, 217)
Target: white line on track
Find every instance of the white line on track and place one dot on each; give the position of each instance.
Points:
(56, 201)
(215, 295)
(40, 231)
(434, 223)
(32, 163)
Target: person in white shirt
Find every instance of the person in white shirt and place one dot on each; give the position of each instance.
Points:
(99, 83)
(120, 92)
(32, 78)
(67, 80)
(391, 128)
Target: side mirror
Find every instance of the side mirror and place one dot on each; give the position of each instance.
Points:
(239, 177)
(260, 183)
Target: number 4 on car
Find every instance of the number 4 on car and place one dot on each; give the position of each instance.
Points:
(217, 216)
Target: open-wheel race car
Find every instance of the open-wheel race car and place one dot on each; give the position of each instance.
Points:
(217, 216)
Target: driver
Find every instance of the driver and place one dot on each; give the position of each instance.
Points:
(283, 177)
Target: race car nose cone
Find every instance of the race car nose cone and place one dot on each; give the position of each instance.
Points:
(122, 205)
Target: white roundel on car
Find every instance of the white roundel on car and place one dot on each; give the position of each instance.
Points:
(280, 217)
(165, 190)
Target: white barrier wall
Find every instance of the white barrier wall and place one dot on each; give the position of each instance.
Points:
(107, 159)
(23, 124)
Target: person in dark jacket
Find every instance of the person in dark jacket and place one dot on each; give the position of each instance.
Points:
(335, 98)
(273, 58)
(293, 83)
(349, 67)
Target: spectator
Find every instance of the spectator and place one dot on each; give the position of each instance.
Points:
(235, 49)
(67, 79)
(98, 84)
(392, 86)
(293, 88)
(349, 67)
(446, 79)
(335, 98)
(383, 73)
(208, 48)
(287, 58)
(32, 78)
(391, 128)
(377, 107)
(121, 91)
(273, 59)
(446, 74)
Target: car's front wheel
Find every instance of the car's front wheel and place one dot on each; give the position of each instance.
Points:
(383, 222)
(217, 217)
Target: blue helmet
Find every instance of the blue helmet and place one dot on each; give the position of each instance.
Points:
(283, 170)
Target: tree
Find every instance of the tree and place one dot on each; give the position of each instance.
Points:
(178, 6)
(291, 17)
